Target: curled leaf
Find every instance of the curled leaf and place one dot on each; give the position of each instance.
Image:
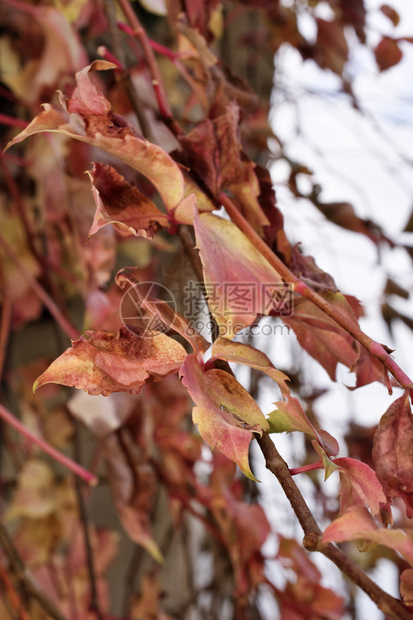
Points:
(88, 116)
(132, 486)
(226, 414)
(239, 281)
(101, 362)
(214, 152)
(393, 452)
(122, 205)
(359, 485)
(290, 416)
(239, 353)
(358, 524)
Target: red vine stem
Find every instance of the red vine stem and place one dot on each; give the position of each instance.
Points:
(13, 594)
(157, 83)
(6, 315)
(77, 469)
(313, 541)
(66, 326)
(310, 467)
(5, 119)
(374, 348)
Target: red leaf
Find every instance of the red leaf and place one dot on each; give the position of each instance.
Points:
(359, 485)
(132, 486)
(387, 53)
(391, 13)
(232, 265)
(331, 48)
(289, 416)
(357, 524)
(101, 362)
(226, 414)
(406, 586)
(88, 117)
(239, 353)
(122, 205)
(214, 153)
(392, 452)
(321, 336)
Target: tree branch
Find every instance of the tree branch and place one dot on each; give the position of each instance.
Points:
(25, 578)
(312, 534)
(300, 287)
(61, 320)
(77, 469)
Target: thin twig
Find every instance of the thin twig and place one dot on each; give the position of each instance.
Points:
(84, 519)
(77, 469)
(374, 348)
(312, 539)
(130, 578)
(6, 314)
(124, 76)
(25, 578)
(157, 82)
(66, 326)
(13, 594)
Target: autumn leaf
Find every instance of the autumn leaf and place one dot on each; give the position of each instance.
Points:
(358, 524)
(320, 335)
(393, 452)
(132, 486)
(226, 414)
(239, 353)
(388, 53)
(214, 153)
(406, 586)
(101, 362)
(122, 205)
(61, 52)
(34, 497)
(359, 485)
(87, 116)
(290, 416)
(331, 48)
(232, 267)
(147, 606)
(391, 13)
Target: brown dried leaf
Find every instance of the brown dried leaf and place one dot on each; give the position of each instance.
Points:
(122, 205)
(88, 117)
(388, 53)
(214, 153)
(101, 362)
(393, 452)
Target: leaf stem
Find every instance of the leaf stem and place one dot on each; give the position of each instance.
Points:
(310, 467)
(77, 469)
(312, 534)
(374, 348)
